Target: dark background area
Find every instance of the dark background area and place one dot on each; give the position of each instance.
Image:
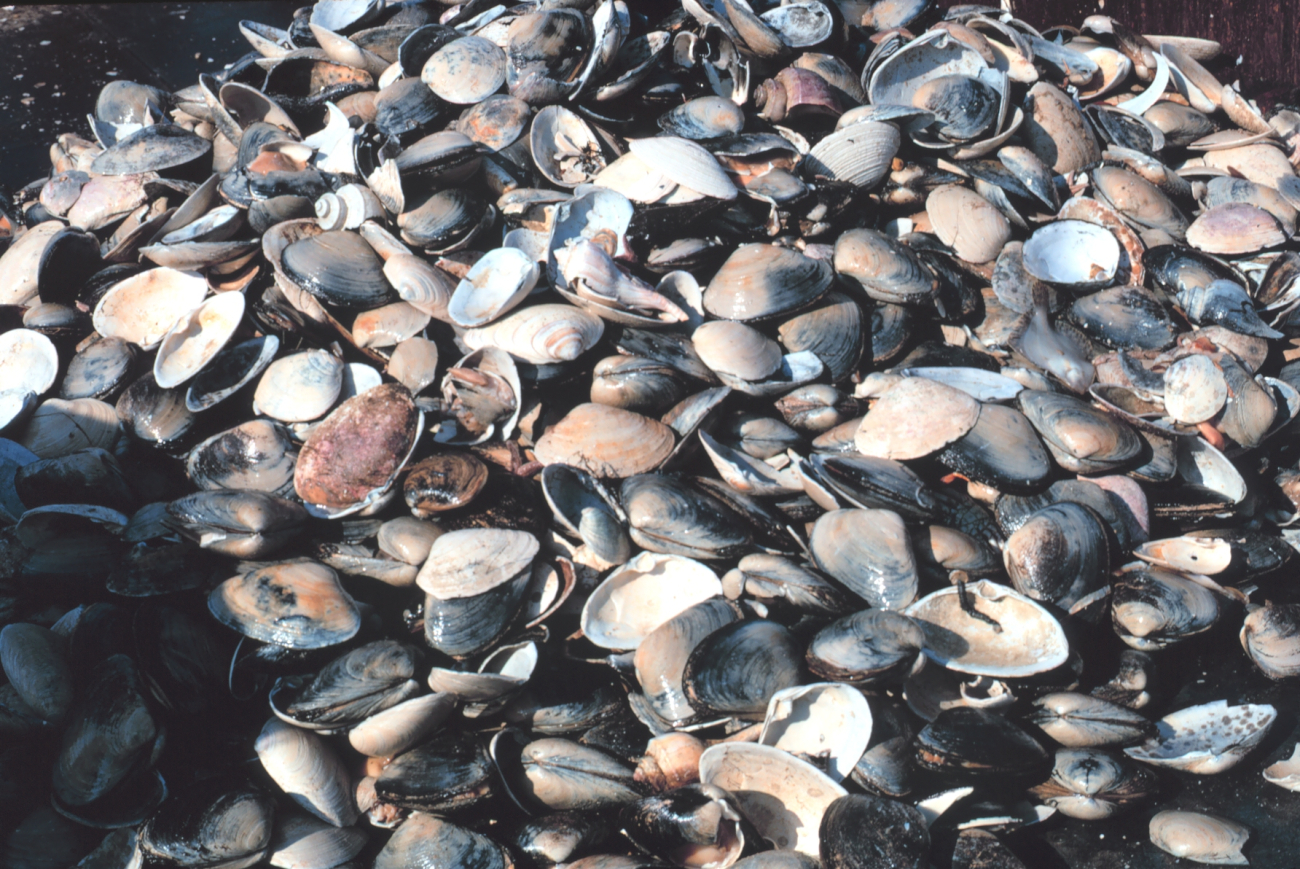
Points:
(54, 60)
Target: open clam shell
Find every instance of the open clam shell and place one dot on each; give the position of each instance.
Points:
(782, 796)
(826, 719)
(28, 361)
(197, 338)
(1206, 739)
(143, 308)
(1072, 253)
(1029, 640)
(641, 595)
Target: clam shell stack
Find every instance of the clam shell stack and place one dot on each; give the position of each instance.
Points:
(612, 434)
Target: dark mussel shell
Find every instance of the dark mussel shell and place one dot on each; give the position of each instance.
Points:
(859, 831)
(737, 669)
(865, 647)
(353, 686)
(465, 625)
(697, 825)
(449, 772)
(99, 370)
(428, 841)
(340, 268)
(670, 515)
(562, 837)
(214, 822)
(1060, 554)
(233, 367)
(975, 741)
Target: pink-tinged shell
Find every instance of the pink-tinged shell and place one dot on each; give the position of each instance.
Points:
(1235, 228)
(358, 449)
(968, 222)
(606, 441)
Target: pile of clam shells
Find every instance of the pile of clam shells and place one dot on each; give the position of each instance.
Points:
(610, 435)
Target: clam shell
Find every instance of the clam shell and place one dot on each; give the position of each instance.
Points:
(465, 71)
(869, 552)
(825, 719)
(28, 361)
(141, 309)
(1198, 837)
(1206, 739)
(887, 270)
(426, 287)
(1030, 640)
(356, 452)
(1285, 773)
(401, 727)
(540, 334)
(1235, 228)
(225, 375)
(19, 265)
(303, 842)
(296, 604)
(1072, 253)
(968, 222)
(641, 595)
(498, 282)
(762, 280)
(197, 338)
(736, 349)
(475, 560)
(308, 770)
(782, 796)
(915, 418)
(1056, 131)
(257, 455)
(1195, 390)
(606, 442)
(859, 154)
(60, 428)
(299, 388)
(686, 163)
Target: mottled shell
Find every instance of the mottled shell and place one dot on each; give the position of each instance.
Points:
(914, 419)
(358, 450)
